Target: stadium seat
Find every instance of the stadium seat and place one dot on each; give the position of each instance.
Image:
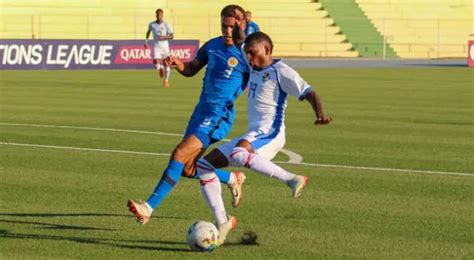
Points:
(300, 27)
(423, 28)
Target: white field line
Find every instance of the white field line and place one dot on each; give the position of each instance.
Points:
(292, 156)
(84, 149)
(379, 169)
(304, 164)
(172, 134)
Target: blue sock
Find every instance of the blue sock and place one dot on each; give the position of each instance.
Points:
(170, 177)
(224, 176)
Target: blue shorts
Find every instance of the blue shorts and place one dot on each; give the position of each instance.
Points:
(209, 128)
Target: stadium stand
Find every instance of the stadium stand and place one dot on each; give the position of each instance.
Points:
(298, 27)
(423, 28)
(358, 28)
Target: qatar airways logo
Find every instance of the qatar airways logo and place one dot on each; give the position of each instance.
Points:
(136, 54)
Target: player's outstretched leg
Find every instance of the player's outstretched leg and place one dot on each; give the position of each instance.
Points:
(170, 177)
(141, 210)
(212, 192)
(235, 187)
(225, 229)
(234, 181)
(241, 157)
(297, 184)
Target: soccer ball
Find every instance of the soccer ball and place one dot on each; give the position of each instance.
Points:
(203, 236)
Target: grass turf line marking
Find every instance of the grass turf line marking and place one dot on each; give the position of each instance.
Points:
(304, 164)
(379, 169)
(292, 156)
(84, 149)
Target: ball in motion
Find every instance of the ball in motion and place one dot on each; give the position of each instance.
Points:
(203, 236)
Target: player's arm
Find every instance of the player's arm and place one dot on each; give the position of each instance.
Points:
(313, 98)
(187, 69)
(169, 34)
(147, 36)
(293, 84)
(165, 37)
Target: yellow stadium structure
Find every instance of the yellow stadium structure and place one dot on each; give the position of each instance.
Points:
(413, 28)
(423, 28)
(298, 27)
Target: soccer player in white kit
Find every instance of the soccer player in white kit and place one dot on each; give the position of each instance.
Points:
(270, 83)
(162, 33)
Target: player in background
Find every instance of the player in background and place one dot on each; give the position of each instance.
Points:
(270, 83)
(225, 79)
(251, 26)
(162, 33)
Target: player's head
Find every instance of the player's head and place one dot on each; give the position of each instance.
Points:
(159, 14)
(248, 16)
(259, 48)
(230, 15)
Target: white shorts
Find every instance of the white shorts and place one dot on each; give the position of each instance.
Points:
(265, 145)
(160, 52)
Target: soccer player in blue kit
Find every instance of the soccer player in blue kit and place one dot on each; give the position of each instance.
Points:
(225, 79)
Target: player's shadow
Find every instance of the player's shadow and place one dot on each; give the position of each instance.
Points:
(129, 244)
(4, 234)
(91, 214)
(54, 226)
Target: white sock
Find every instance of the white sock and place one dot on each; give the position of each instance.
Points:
(167, 72)
(212, 191)
(232, 179)
(149, 208)
(241, 157)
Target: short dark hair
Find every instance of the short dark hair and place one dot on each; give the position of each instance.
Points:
(229, 10)
(259, 37)
(159, 10)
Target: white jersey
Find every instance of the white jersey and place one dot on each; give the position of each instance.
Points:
(160, 29)
(267, 96)
(267, 99)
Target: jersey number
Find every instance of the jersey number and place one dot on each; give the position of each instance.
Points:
(252, 89)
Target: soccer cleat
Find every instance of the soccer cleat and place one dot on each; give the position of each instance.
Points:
(297, 184)
(225, 229)
(166, 83)
(236, 188)
(162, 72)
(140, 210)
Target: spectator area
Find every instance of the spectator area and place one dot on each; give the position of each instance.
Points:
(358, 29)
(423, 28)
(298, 27)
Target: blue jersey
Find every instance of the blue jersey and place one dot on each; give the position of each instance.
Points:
(224, 80)
(251, 28)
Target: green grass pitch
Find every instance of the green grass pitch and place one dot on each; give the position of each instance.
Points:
(57, 201)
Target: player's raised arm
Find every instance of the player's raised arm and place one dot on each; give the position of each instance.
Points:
(315, 101)
(238, 34)
(187, 69)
